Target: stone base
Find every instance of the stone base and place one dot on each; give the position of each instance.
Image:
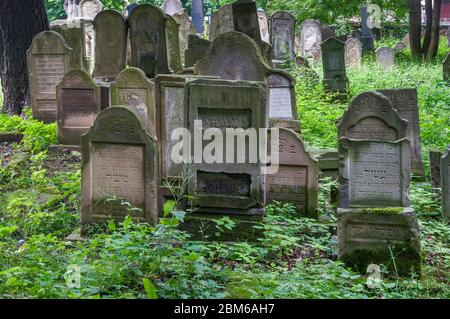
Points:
(64, 148)
(366, 236)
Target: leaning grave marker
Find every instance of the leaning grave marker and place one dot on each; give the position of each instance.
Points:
(173, 44)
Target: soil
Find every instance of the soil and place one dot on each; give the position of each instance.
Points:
(62, 160)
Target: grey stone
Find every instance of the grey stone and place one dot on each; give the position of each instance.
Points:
(333, 61)
(173, 45)
(310, 39)
(221, 22)
(327, 32)
(385, 57)
(198, 16)
(90, 8)
(445, 184)
(171, 7)
(435, 168)
(282, 36)
(353, 52)
(400, 46)
(263, 21)
(186, 29)
(197, 50)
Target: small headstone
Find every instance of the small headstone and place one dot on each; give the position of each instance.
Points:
(47, 62)
(405, 40)
(186, 29)
(445, 183)
(111, 45)
(405, 102)
(78, 100)
(385, 57)
(119, 164)
(296, 179)
(75, 39)
(435, 168)
(197, 50)
(353, 52)
(310, 39)
(234, 56)
(134, 90)
(148, 40)
(173, 44)
(399, 47)
(333, 61)
(171, 7)
(282, 36)
(90, 8)
(198, 17)
(446, 68)
(366, 30)
(263, 21)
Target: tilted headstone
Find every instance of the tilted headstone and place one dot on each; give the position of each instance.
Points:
(78, 100)
(173, 44)
(75, 39)
(111, 45)
(221, 22)
(186, 29)
(446, 68)
(366, 30)
(353, 52)
(133, 89)
(119, 165)
(148, 40)
(282, 36)
(333, 61)
(245, 19)
(295, 182)
(385, 57)
(310, 39)
(172, 7)
(229, 187)
(234, 56)
(435, 168)
(90, 8)
(197, 50)
(263, 21)
(405, 102)
(198, 16)
(47, 62)
(445, 183)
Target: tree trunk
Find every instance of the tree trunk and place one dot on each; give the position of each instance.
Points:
(415, 32)
(434, 43)
(20, 21)
(427, 37)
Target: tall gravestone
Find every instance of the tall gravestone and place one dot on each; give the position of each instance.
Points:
(234, 56)
(186, 29)
(111, 45)
(353, 52)
(282, 35)
(119, 164)
(310, 39)
(296, 179)
(173, 44)
(263, 21)
(47, 62)
(133, 89)
(148, 40)
(198, 16)
(435, 168)
(367, 37)
(406, 103)
(446, 68)
(172, 7)
(90, 8)
(445, 184)
(197, 50)
(245, 19)
(221, 22)
(333, 61)
(385, 57)
(75, 39)
(78, 100)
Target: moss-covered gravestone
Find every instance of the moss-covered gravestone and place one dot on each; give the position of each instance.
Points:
(445, 184)
(282, 36)
(333, 61)
(353, 52)
(78, 100)
(186, 30)
(196, 50)
(119, 172)
(385, 57)
(173, 44)
(310, 39)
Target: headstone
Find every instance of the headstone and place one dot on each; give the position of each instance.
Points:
(353, 52)
(310, 39)
(385, 57)
(263, 21)
(399, 47)
(367, 37)
(171, 7)
(119, 164)
(72, 9)
(282, 35)
(186, 29)
(221, 22)
(327, 32)
(245, 19)
(446, 68)
(229, 188)
(301, 62)
(234, 56)
(47, 62)
(198, 18)
(134, 90)
(111, 45)
(405, 40)
(405, 102)
(130, 8)
(333, 61)
(90, 8)
(78, 100)
(296, 179)
(74, 37)
(197, 50)
(148, 40)
(445, 183)
(173, 44)
(435, 168)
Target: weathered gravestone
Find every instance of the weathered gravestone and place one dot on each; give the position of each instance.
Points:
(327, 32)
(197, 50)
(71, 7)
(366, 30)
(134, 90)
(405, 102)
(90, 8)
(130, 8)
(110, 45)
(119, 164)
(282, 105)
(399, 47)
(446, 68)
(435, 168)
(263, 21)
(173, 45)
(445, 184)
(282, 36)
(186, 29)
(333, 61)
(148, 40)
(353, 52)
(221, 22)
(385, 57)
(295, 181)
(245, 19)
(47, 62)
(231, 182)
(78, 100)
(310, 39)
(405, 40)
(234, 56)
(198, 16)
(172, 7)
